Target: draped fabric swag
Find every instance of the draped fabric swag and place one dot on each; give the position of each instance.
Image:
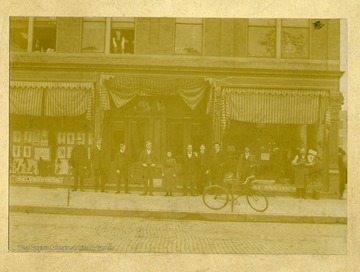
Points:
(273, 106)
(123, 89)
(53, 98)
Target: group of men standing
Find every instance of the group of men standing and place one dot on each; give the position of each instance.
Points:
(199, 168)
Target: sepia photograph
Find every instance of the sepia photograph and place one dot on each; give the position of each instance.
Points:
(207, 135)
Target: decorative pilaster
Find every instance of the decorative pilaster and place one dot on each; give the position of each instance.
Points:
(100, 106)
(335, 102)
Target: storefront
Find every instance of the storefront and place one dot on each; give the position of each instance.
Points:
(170, 112)
(274, 124)
(45, 120)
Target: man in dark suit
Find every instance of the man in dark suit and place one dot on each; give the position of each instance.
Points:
(203, 169)
(217, 163)
(99, 164)
(148, 161)
(246, 165)
(122, 164)
(78, 162)
(189, 166)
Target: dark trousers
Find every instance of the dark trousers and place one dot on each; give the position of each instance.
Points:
(76, 182)
(189, 182)
(122, 176)
(99, 176)
(202, 181)
(217, 176)
(148, 179)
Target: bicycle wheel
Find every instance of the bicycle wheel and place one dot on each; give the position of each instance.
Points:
(215, 197)
(257, 200)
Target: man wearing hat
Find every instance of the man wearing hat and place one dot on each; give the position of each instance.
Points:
(78, 162)
(148, 161)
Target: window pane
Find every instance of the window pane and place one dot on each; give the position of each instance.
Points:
(18, 34)
(44, 37)
(295, 22)
(189, 20)
(262, 22)
(262, 42)
(294, 43)
(188, 39)
(93, 39)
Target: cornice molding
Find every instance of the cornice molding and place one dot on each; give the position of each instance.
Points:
(171, 65)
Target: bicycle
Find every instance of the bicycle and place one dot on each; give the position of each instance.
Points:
(217, 197)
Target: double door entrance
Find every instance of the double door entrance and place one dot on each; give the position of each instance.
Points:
(166, 134)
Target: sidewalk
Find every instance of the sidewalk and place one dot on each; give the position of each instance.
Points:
(281, 208)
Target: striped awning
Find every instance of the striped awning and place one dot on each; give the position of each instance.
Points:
(51, 98)
(271, 106)
(66, 102)
(26, 101)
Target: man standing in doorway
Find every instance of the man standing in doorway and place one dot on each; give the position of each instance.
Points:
(189, 171)
(217, 163)
(78, 162)
(148, 161)
(122, 164)
(246, 165)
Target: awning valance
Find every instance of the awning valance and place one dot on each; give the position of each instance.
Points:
(52, 85)
(51, 98)
(123, 89)
(274, 106)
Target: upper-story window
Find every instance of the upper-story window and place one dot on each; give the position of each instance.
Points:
(19, 34)
(44, 34)
(285, 38)
(93, 34)
(294, 38)
(262, 38)
(122, 35)
(189, 36)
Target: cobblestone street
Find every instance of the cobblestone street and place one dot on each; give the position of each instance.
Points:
(147, 235)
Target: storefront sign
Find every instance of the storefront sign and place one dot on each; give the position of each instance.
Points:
(275, 188)
(265, 156)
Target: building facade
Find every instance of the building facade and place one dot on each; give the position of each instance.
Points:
(269, 84)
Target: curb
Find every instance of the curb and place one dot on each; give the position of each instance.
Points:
(259, 218)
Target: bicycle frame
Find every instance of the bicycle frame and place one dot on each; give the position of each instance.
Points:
(243, 187)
